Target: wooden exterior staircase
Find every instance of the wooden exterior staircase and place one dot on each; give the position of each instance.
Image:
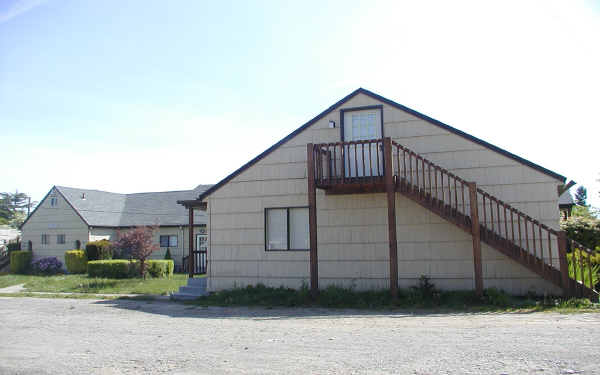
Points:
(382, 165)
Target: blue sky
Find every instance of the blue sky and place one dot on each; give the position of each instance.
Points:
(132, 96)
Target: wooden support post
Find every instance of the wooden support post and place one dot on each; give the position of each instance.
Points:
(191, 261)
(476, 235)
(561, 236)
(391, 203)
(312, 220)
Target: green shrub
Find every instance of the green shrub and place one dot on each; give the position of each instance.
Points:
(168, 254)
(585, 230)
(495, 297)
(576, 259)
(575, 303)
(160, 268)
(76, 261)
(13, 246)
(113, 269)
(20, 261)
(121, 268)
(99, 250)
(425, 291)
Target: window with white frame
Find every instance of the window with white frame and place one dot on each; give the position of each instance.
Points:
(53, 201)
(286, 228)
(364, 126)
(60, 239)
(168, 241)
(45, 239)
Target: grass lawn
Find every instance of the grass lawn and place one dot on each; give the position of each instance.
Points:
(93, 285)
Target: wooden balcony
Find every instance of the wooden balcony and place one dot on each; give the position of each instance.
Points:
(350, 167)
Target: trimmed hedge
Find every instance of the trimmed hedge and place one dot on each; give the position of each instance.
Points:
(112, 269)
(121, 268)
(20, 261)
(99, 250)
(76, 261)
(160, 268)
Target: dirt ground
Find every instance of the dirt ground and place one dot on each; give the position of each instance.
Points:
(70, 336)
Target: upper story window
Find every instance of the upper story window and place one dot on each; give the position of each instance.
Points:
(168, 241)
(45, 239)
(53, 201)
(60, 239)
(286, 228)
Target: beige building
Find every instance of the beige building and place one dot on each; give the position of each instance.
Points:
(67, 218)
(265, 227)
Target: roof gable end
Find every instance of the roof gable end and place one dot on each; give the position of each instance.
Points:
(392, 104)
(57, 190)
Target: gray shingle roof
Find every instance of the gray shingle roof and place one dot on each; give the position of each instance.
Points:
(566, 198)
(105, 209)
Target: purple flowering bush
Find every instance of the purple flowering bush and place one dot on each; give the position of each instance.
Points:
(47, 266)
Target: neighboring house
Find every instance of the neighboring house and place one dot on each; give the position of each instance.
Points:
(565, 204)
(8, 234)
(67, 218)
(313, 210)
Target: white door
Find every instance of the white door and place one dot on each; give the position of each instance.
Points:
(201, 240)
(362, 126)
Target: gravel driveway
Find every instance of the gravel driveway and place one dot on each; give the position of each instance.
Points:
(69, 336)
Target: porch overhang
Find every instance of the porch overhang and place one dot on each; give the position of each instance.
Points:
(193, 204)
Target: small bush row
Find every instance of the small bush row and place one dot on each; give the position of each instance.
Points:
(21, 263)
(121, 269)
(77, 263)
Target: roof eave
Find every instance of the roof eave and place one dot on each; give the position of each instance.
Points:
(194, 203)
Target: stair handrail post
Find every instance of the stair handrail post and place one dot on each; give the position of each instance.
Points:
(564, 264)
(391, 203)
(476, 235)
(191, 241)
(312, 220)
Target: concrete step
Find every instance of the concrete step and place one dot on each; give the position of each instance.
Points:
(197, 291)
(197, 282)
(183, 296)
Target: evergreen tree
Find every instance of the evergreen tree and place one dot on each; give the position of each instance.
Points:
(581, 196)
(14, 208)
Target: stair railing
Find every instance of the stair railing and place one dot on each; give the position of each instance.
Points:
(542, 248)
(442, 189)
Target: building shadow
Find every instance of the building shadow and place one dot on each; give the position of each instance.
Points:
(187, 310)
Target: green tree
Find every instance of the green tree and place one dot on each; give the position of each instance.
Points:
(581, 196)
(14, 208)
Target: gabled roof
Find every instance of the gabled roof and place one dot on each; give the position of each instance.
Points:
(392, 104)
(105, 209)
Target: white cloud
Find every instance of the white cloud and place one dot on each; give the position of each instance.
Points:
(19, 7)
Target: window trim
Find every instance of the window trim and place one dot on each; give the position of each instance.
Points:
(53, 201)
(168, 241)
(64, 239)
(287, 212)
(364, 108)
(45, 240)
